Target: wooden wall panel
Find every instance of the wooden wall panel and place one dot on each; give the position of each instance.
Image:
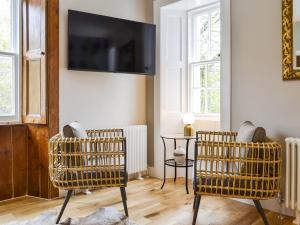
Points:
(24, 162)
(6, 190)
(39, 184)
(33, 162)
(52, 46)
(38, 175)
(53, 65)
(13, 161)
(43, 136)
(24, 148)
(20, 163)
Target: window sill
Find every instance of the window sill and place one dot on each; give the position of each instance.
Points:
(207, 118)
(11, 123)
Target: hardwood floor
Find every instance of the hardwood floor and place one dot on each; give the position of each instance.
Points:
(147, 205)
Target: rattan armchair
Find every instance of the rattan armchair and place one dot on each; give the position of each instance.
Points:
(226, 168)
(88, 163)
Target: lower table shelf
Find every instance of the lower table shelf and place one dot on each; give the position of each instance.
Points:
(171, 162)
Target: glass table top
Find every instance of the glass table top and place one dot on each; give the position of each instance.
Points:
(178, 136)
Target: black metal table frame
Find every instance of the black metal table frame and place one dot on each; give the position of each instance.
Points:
(187, 160)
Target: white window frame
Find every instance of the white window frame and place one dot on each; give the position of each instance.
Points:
(191, 62)
(15, 54)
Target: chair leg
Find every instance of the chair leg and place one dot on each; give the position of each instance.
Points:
(196, 208)
(261, 211)
(124, 199)
(67, 198)
(194, 203)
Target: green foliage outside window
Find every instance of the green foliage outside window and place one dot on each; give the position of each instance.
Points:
(206, 62)
(6, 61)
(6, 95)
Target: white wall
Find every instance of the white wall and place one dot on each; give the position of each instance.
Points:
(258, 92)
(97, 99)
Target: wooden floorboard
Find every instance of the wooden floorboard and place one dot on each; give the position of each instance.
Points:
(147, 204)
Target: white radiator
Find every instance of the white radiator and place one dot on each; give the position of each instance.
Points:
(136, 139)
(292, 182)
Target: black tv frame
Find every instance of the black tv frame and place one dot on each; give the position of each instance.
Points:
(153, 71)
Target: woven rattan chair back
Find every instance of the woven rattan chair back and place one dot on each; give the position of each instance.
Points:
(97, 161)
(226, 168)
(237, 170)
(87, 163)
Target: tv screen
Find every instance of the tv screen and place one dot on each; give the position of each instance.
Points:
(101, 43)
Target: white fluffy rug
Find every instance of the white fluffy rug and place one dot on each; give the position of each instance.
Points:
(103, 216)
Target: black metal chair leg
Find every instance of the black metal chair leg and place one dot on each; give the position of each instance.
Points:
(261, 211)
(186, 166)
(124, 199)
(194, 203)
(175, 177)
(196, 208)
(162, 186)
(175, 168)
(67, 198)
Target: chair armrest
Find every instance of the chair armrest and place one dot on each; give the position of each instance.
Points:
(105, 133)
(227, 136)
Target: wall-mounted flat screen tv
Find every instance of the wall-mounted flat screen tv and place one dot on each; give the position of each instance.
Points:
(102, 43)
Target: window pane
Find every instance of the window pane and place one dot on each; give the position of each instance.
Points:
(201, 37)
(213, 76)
(199, 72)
(214, 101)
(206, 49)
(202, 101)
(201, 26)
(196, 101)
(5, 25)
(215, 41)
(203, 76)
(196, 76)
(199, 103)
(6, 86)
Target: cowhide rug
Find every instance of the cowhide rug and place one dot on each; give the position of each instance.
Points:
(102, 216)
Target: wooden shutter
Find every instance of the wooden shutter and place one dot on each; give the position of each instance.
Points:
(34, 62)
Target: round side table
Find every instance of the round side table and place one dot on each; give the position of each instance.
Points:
(171, 162)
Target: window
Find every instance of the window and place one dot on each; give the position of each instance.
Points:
(204, 61)
(9, 60)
